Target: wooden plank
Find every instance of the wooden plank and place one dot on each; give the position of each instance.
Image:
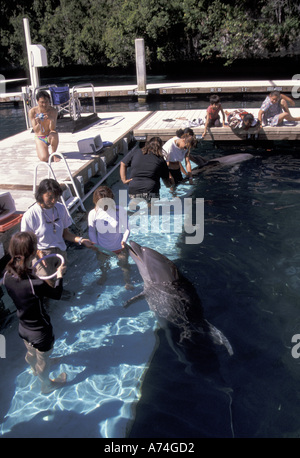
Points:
(19, 158)
(188, 88)
(158, 126)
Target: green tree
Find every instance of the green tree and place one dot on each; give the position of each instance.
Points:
(103, 31)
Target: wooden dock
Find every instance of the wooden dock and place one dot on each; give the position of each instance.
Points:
(20, 167)
(131, 90)
(164, 124)
(19, 159)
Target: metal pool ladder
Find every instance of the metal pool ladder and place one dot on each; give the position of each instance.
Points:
(72, 202)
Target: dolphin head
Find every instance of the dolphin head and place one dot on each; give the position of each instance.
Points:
(153, 266)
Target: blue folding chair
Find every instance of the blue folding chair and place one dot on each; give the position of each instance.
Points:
(64, 103)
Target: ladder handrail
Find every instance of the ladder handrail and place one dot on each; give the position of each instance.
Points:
(54, 178)
(35, 173)
(52, 175)
(70, 176)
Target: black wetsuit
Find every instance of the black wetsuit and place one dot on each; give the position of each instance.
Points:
(34, 323)
(146, 171)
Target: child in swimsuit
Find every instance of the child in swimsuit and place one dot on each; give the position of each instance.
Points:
(212, 114)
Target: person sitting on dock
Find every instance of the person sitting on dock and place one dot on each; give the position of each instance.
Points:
(43, 119)
(50, 222)
(108, 230)
(175, 150)
(212, 114)
(241, 119)
(274, 110)
(147, 168)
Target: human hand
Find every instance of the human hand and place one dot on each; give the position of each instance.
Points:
(61, 270)
(87, 243)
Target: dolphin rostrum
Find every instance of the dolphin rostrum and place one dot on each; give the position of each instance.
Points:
(172, 298)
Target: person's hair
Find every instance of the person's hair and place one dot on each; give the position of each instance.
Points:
(181, 132)
(101, 193)
(154, 146)
(214, 99)
(248, 117)
(189, 140)
(42, 94)
(47, 185)
(22, 246)
(276, 93)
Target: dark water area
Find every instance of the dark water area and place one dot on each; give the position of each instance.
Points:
(206, 70)
(246, 272)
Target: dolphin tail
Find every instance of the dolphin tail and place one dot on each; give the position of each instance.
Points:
(219, 338)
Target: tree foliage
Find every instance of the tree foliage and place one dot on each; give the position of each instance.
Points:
(92, 32)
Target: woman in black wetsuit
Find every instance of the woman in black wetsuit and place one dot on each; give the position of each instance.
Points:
(27, 292)
(147, 168)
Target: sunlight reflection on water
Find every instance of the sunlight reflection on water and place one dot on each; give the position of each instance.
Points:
(95, 338)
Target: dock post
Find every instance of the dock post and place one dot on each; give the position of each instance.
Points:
(141, 69)
(34, 76)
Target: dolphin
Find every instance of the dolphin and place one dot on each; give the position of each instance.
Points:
(203, 164)
(173, 299)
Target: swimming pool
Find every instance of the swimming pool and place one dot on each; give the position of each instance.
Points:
(124, 380)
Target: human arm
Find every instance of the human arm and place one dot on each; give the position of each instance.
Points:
(189, 168)
(125, 238)
(223, 115)
(92, 229)
(43, 289)
(259, 118)
(52, 117)
(205, 125)
(288, 99)
(35, 120)
(182, 169)
(123, 171)
(70, 237)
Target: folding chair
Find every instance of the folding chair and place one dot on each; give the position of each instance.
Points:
(64, 103)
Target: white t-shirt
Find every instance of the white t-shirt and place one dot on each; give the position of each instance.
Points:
(47, 224)
(172, 153)
(108, 228)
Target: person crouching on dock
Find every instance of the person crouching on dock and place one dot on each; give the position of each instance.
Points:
(43, 119)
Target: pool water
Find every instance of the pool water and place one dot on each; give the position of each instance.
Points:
(125, 380)
(247, 272)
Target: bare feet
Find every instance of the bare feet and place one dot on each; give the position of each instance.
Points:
(129, 287)
(55, 158)
(54, 384)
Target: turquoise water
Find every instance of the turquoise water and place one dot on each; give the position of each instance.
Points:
(105, 351)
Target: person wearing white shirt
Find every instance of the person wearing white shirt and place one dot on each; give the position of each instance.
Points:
(49, 220)
(108, 230)
(175, 150)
